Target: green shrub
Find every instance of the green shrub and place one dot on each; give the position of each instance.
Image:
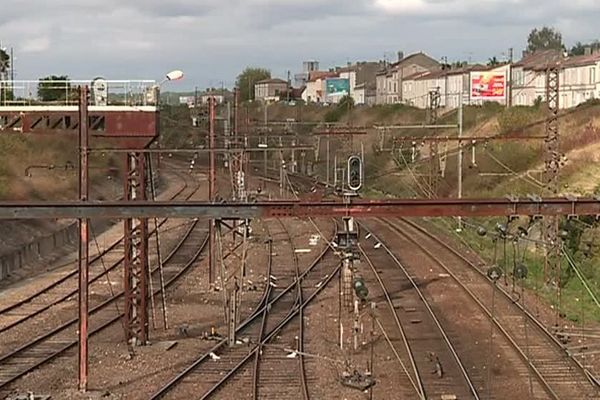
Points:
(516, 118)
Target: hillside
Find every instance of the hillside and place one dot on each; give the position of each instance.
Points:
(501, 168)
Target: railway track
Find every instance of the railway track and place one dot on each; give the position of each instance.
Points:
(65, 287)
(550, 371)
(282, 303)
(276, 376)
(41, 349)
(426, 345)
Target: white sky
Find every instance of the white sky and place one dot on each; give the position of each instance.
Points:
(212, 40)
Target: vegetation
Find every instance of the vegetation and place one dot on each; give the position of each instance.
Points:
(579, 48)
(248, 78)
(493, 61)
(544, 39)
(5, 94)
(344, 106)
(515, 118)
(54, 88)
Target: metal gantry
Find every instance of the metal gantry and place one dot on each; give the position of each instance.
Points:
(136, 273)
(551, 175)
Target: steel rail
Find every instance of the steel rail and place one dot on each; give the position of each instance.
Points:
(432, 314)
(73, 273)
(256, 314)
(263, 324)
(274, 332)
(592, 379)
(538, 374)
(94, 310)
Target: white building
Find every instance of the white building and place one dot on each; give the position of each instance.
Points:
(579, 80)
(452, 84)
(315, 91)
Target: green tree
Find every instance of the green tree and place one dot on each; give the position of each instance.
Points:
(579, 48)
(6, 93)
(4, 62)
(544, 39)
(248, 78)
(54, 88)
(459, 64)
(492, 62)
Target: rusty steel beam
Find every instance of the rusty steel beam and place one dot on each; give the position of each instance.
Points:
(102, 122)
(466, 139)
(203, 150)
(302, 209)
(136, 254)
(83, 241)
(212, 180)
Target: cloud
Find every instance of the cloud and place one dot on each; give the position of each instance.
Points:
(212, 40)
(36, 45)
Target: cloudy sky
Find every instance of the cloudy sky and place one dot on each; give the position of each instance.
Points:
(212, 40)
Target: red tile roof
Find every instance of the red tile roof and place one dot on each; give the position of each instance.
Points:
(315, 75)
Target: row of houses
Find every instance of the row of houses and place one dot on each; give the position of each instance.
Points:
(411, 80)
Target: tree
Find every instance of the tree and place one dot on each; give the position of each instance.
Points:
(4, 63)
(6, 93)
(54, 88)
(248, 78)
(459, 64)
(492, 62)
(579, 48)
(544, 39)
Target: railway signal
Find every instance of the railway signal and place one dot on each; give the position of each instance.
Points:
(360, 289)
(355, 173)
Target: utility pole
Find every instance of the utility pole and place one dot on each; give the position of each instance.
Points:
(433, 106)
(510, 62)
(83, 240)
(552, 168)
(289, 85)
(460, 153)
(211, 186)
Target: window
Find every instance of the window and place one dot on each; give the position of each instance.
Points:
(592, 75)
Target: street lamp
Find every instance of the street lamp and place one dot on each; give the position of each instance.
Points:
(172, 76)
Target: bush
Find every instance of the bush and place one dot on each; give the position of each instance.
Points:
(345, 104)
(516, 118)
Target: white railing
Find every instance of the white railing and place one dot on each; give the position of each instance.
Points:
(60, 92)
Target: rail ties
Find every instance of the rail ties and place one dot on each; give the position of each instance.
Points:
(55, 342)
(555, 374)
(224, 368)
(65, 288)
(417, 335)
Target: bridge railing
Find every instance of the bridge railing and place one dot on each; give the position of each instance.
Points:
(65, 93)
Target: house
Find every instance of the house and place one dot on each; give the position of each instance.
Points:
(364, 94)
(359, 74)
(315, 91)
(579, 79)
(528, 76)
(270, 89)
(455, 85)
(389, 87)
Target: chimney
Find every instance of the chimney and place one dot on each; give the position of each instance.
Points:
(400, 55)
(587, 50)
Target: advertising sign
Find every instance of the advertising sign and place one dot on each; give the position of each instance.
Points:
(488, 85)
(337, 86)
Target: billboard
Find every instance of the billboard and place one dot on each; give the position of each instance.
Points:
(488, 85)
(337, 87)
